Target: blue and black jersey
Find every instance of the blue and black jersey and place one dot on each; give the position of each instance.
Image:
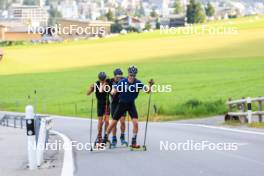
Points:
(128, 92)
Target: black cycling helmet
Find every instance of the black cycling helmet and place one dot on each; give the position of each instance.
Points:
(132, 70)
(118, 71)
(102, 76)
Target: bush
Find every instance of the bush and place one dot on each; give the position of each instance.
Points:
(195, 108)
(132, 29)
(116, 28)
(12, 43)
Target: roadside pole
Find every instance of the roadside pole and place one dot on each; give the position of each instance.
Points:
(32, 157)
(249, 106)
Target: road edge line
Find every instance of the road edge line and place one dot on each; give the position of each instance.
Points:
(223, 128)
(68, 166)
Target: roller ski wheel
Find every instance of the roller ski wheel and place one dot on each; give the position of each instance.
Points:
(98, 143)
(113, 146)
(137, 148)
(114, 142)
(107, 143)
(124, 143)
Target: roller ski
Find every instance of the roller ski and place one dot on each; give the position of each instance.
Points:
(123, 141)
(98, 143)
(135, 147)
(114, 142)
(107, 143)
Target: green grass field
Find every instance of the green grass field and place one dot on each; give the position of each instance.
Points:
(204, 70)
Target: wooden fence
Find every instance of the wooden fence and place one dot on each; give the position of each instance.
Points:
(244, 109)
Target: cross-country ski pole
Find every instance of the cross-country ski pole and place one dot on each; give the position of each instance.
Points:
(146, 127)
(128, 129)
(91, 124)
(106, 113)
(35, 102)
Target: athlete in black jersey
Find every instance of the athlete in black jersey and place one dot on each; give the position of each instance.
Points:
(118, 76)
(101, 88)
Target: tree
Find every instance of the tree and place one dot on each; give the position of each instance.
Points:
(210, 10)
(195, 12)
(140, 12)
(147, 26)
(178, 7)
(54, 15)
(153, 13)
(190, 12)
(109, 15)
(120, 11)
(157, 23)
(116, 27)
(199, 14)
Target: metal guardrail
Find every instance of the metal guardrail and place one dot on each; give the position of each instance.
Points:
(244, 100)
(244, 108)
(42, 126)
(15, 121)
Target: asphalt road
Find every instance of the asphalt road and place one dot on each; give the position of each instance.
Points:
(247, 160)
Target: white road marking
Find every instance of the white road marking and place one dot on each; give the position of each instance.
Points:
(223, 128)
(186, 124)
(68, 163)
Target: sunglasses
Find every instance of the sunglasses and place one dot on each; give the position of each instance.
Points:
(133, 76)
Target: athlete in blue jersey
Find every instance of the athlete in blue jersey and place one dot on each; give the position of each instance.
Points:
(128, 90)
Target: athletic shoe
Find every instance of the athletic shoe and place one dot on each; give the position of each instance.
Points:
(134, 143)
(122, 140)
(114, 141)
(99, 139)
(105, 140)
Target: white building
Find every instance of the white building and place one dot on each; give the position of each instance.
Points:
(127, 21)
(31, 15)
(69, 9)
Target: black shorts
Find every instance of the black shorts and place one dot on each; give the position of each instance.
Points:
(124, 107)
(103, 109)
(113, 109)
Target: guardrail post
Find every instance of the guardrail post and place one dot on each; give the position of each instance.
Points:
(244, 109)
(243, 105)
(229, 105)
(249, 105)
(260, 109)
(21, 122)
(32, 158)
(2, 121)
(15, 122)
